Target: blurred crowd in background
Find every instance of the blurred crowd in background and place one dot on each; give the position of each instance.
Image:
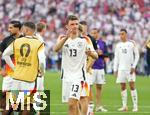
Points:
(109, 16)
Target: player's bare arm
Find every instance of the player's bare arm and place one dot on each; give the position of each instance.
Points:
(61, 40)
(136, 56)
(6, 56)
(60, 43)
(90, 63)
(92, 54)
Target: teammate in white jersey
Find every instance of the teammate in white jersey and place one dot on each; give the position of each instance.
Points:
(74, 54)
(125, 61)
(41, 29)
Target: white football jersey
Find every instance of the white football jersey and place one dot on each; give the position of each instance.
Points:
(126, 56)
(74, 59)
(40, 38)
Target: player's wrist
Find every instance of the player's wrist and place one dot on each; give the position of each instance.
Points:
(66, 37)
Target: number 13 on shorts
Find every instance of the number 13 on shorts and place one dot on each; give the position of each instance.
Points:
(75, 91)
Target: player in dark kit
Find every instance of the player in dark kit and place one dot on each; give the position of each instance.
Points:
(14, 28)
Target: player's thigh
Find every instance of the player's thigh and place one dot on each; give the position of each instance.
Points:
(66, 87)
(131, 77)
(7, 83)
(100, 77)
(15, 89)
(94, 75)
(40, 83)
(22, 85)
(121, 77)
(76, 89)
(29, 86)
(15, 84)
(89, 78)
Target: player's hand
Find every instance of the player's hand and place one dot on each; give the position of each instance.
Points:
(132, 71)
(40, 73)
(3, 73)
(88, 52)
(68, 33)
(115, 73)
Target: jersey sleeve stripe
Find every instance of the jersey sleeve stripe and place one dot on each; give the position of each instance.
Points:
(88, 40)
(62, 74)
(83, 72)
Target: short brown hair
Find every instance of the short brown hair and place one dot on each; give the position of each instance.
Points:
(83, 23)
(30, 25)
(98, 30)
(16, 24)
(71, 17)
(124, 30)
(80, 28)
(40, 26)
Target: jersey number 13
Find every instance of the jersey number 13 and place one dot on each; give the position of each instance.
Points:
(73, 52)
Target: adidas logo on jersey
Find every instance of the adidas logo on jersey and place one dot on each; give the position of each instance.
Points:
(74, 95)
(66, 45)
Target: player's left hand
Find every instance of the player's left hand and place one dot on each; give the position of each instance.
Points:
(88, 52)
(40, 73)
(132, 71)
(3, 73)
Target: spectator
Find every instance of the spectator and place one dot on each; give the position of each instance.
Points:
(108, 15)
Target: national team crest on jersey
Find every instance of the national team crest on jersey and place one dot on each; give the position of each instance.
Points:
(80, 44)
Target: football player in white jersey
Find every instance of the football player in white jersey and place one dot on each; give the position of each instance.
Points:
(40, 31)
(125, 62)
(74, 54)
(86, 101)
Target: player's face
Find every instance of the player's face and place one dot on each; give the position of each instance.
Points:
(123, 35)
(13, 30)
(84, 28)
(43, 31)
(73, 25)
(95, 34)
